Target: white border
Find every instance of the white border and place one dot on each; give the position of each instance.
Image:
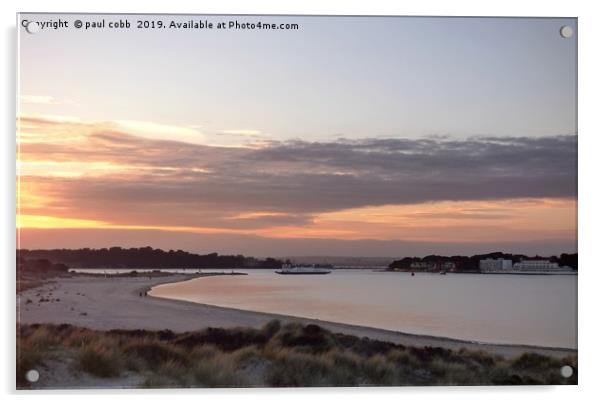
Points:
(589, 193)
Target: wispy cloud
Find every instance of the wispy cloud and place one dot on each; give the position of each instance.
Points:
(242, 132)
(37, 128)
(157, 131)
(39, 99)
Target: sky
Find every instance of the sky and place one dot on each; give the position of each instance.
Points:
(355, 136)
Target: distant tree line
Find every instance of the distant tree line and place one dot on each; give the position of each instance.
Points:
(39, 266)
(31, 273)
(147, 257)
(471, 263)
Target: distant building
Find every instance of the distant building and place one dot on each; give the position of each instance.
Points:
(450, 266)
(489, 265)
(421, 265)
(433, 266)
(537, 265)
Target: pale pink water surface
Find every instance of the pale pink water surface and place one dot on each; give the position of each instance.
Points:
(536, 310)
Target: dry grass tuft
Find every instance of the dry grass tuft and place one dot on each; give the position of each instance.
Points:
(99, 361)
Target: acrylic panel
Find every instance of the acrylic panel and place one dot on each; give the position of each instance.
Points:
(294, 201)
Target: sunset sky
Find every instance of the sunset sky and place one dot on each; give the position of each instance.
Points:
(350, 136)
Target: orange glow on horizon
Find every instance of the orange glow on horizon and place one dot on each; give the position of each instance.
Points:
(48, 222)
(462, 221)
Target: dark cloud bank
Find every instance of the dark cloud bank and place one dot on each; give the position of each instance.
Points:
(300, 179)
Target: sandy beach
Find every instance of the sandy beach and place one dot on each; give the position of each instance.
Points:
(115, 303)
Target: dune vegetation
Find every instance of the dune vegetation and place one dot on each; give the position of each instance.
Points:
(276, 355)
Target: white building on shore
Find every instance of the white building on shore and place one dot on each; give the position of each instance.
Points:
(495, 265)
(537, 265)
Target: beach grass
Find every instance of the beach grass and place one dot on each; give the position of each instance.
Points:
(291, 355)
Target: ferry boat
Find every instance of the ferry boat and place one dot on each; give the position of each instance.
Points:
(288, 269)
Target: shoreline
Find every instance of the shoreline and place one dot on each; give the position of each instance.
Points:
(115, 303)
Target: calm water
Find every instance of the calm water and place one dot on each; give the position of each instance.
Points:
(537, 310)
